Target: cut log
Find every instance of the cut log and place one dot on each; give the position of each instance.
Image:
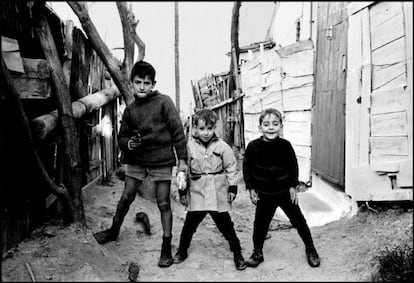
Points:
(45, 124)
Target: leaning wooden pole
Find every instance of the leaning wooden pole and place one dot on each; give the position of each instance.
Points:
(6, 85)
(177, 56)
(120, 80)
(71, 141)
(234, 37)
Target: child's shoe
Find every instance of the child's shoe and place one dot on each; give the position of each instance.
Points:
(255, 259)
(180, 256)
(166, 257)
(105, 236)
(239, 261)
(313, 257)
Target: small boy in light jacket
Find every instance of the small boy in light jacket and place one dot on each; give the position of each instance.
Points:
(212, 185)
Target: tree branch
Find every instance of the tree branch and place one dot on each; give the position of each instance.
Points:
(121, 81)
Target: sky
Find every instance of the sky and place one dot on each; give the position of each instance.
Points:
(204, 36)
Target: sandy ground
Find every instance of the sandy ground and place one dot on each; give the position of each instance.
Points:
(347, 247)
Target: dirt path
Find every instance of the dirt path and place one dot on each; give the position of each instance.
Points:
(346, 247)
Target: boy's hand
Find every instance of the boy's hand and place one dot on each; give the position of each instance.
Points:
(301, 187)
(293, 196)
(232, 197)
(134, 142)
(253, 196)
(184, 200)
(181, 180)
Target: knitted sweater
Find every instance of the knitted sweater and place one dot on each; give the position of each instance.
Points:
(159, 124)
(270, 167)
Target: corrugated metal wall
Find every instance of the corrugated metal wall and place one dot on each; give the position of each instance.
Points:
(328, 121)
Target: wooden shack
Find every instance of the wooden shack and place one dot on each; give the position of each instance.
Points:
(281, 78)
(25, 202)
(341, 73)
(379, 101)
(212, 92)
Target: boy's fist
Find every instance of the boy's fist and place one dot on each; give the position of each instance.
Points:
(181, 180)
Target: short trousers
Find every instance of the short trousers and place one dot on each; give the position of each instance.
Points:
(163, 173)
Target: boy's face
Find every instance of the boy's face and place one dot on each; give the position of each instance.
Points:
(270, 127)
(142, 86)
(204, 132)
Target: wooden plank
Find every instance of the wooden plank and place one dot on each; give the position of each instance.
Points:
(298, 64)
(299, 133)
(406, 178)
(381, 12)
(298, 116)
(380, 159)
(389, 124)
(390, 30)
(303, 151)
(299, 46)
(36, 68)
(297, 99)
(226, 102)
(352, 110)
(391, 53)
(389, 145)
(296, 82)
(331, 74)
(366, 89)
(405, 175)
(11, 54)
(304, 169)
(31, 87)
(385, 167)
(357, 186)
(393, 195)
(355, 7)
(386, 76)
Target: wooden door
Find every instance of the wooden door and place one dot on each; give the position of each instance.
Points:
(379, 138)
(328, 113)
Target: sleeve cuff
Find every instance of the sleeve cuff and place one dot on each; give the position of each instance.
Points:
(233, 189)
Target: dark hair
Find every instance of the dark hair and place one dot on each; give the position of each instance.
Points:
(207, 115)
(143, 69)
(269, 111)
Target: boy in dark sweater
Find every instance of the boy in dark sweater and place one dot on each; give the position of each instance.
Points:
(150, 130)
(270, 171)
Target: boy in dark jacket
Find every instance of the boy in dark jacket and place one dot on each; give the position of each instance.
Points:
(150, 130)
(270, 171)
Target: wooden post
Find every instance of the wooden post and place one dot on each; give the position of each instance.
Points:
(64, 108)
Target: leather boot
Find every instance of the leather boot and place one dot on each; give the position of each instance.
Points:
(112, 233)
(312, 256)
(166, 258)
(239, 261)
(107, 235)
(180, 256)
(255, 259)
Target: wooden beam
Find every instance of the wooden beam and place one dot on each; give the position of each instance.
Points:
(227, 101)
(45, 124)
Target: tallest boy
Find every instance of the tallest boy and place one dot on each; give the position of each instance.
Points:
(150, 130)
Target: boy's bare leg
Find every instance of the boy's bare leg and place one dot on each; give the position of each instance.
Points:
(164, 205)
(127, 197)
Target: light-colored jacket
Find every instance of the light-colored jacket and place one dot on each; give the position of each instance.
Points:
(212, 171)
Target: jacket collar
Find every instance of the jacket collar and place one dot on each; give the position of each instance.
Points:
(213, 139)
